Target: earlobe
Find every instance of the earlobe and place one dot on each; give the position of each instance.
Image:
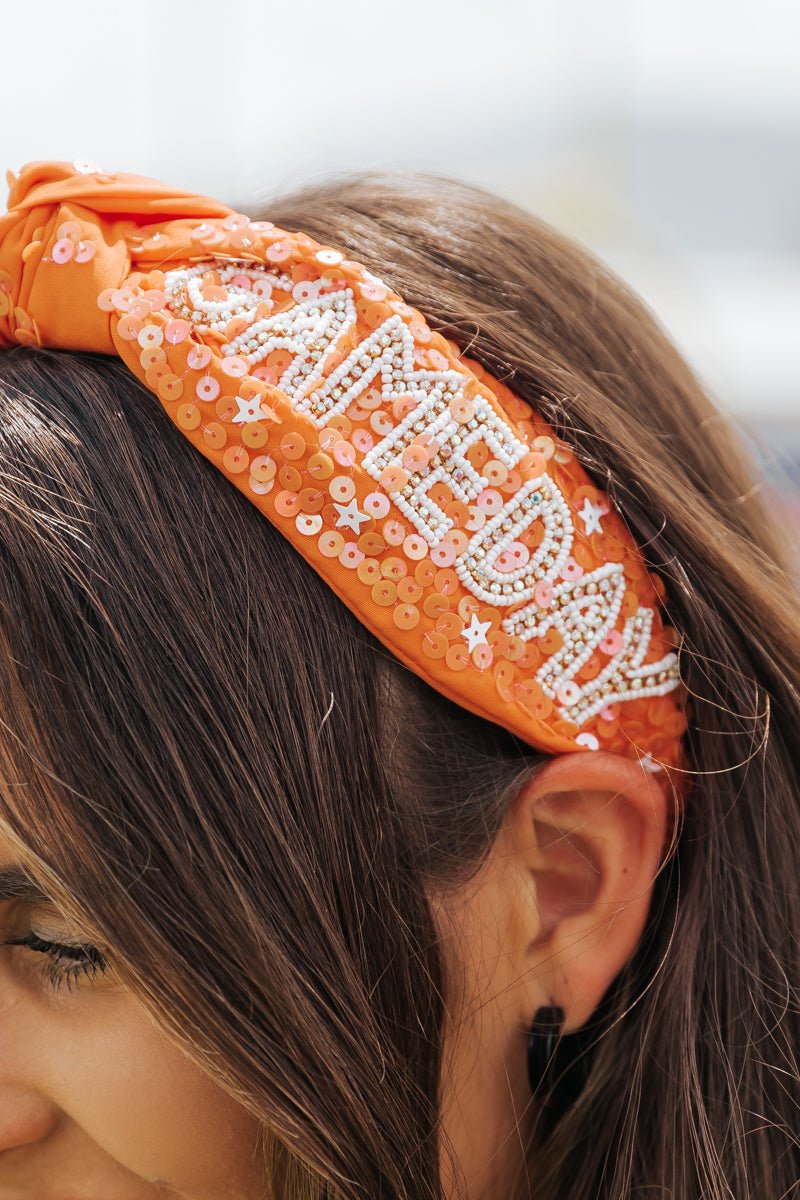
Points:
(599, 821)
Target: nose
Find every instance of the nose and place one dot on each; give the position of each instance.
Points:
(27, 1114)
(25, 1117)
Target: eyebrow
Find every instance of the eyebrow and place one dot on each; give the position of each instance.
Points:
(15, 884)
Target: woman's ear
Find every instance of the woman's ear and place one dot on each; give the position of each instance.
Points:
(591, 827)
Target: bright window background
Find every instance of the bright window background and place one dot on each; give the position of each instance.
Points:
(666, 136)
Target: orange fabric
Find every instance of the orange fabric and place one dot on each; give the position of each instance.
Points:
(438, 506)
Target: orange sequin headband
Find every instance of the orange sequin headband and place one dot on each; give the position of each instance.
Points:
(441, 509)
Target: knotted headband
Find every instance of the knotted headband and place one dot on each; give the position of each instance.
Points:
(440, 507)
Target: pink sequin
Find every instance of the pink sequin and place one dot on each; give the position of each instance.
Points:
(205, 232)
(571, 571)
(207, 388)
(155, 299)
(150, 335)
(543, 594)
(394, 532)
(477, 519)
(123, 298)
(415, 457)
(438, 360)
(345, 453)
(69, 230)
(129, 327)
(309, 524)
(260, 488)
(333, 282)
(84, 251)
(373, 291)
(176, 331)
(482, 656)
(307, 289)
(351, 556)
(105, 300)
(199, 357)
(515, 555)
(612, 643)
(63, 251)
(234, 366)
(414, 546)
(376, 504)
(490, 500)
(381, 423)
(278, 252)
(443, 555)
(268, 374)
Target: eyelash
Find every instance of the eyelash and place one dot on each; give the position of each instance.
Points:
(87, 959)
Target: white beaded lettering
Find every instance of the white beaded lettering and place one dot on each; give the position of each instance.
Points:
(450, 464)
(536, 499)
(584, 610)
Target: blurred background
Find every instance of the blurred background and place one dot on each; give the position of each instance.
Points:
(665, 136)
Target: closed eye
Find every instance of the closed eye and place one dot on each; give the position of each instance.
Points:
(82, 959)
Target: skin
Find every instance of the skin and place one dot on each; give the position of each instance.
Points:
(97, 1103)
(554, 915)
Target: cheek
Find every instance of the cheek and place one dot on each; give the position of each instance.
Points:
(139, 1099)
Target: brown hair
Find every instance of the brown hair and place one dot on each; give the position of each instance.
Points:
(213, 763)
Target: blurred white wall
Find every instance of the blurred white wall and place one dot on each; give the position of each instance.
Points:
(666, 136)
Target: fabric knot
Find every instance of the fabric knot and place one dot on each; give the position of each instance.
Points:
(70, 234)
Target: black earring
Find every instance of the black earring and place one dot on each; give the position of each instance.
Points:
(542, 1040)
(556, 1083)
